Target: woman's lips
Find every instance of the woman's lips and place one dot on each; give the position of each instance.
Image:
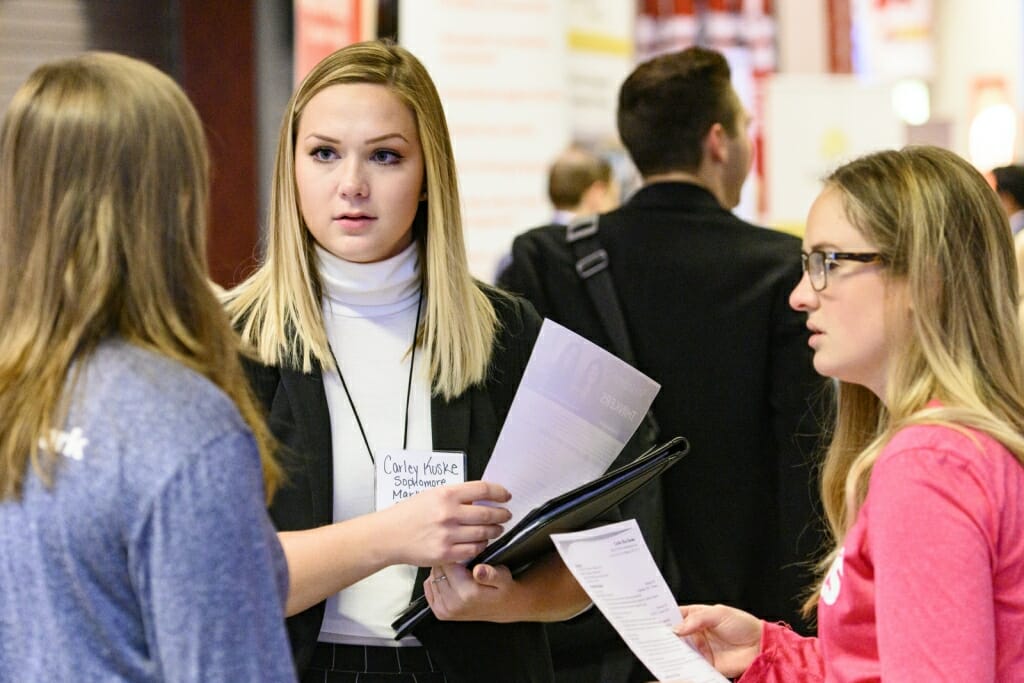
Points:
(347, 222)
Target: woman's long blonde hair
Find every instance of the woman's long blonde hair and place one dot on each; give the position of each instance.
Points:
(103, 211)
(278, 307)
(940, 229)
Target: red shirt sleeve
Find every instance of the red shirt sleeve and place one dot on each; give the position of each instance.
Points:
(786, 657)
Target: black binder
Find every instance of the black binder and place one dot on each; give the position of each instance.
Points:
(571, 511)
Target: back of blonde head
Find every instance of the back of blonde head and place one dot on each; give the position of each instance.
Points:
(103, 201)
(278, 307)
(940, 228)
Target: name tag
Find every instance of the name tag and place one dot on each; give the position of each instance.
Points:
(404, 473)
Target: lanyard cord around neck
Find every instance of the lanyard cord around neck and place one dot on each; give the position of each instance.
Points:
(408, 388)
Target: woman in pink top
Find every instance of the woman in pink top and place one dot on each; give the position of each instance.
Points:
(910, 290)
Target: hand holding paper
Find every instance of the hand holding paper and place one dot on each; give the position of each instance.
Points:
(728, 637)
(443, 525)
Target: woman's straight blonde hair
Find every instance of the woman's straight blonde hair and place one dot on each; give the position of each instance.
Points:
(941, 230)
(103, 212)
(278, 309)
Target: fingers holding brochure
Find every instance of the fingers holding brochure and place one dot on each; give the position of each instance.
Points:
(727, 637)
(443, 525)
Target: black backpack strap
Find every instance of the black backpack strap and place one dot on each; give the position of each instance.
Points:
(592, 267)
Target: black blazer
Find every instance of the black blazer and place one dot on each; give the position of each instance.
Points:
(705, 297)
(299, 418)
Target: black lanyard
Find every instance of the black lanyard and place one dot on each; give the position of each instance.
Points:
(408, 388)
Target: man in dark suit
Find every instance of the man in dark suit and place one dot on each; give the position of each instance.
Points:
(705, 300)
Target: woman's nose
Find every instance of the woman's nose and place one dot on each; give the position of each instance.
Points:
(803, 297)
(352, 181)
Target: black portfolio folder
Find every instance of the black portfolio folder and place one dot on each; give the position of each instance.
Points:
(571, 511)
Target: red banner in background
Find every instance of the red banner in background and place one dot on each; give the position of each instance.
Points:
(323, 26)
(840, 26)
(758, 29)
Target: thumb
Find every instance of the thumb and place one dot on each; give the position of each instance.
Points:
(695, 618)
(486, 574)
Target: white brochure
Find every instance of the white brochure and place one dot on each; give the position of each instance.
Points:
(575, 409)
(614, 566)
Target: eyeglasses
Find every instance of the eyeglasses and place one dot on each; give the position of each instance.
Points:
(817, 264)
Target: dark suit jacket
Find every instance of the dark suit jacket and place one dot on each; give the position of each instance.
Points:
(705, 297)
(299, 418)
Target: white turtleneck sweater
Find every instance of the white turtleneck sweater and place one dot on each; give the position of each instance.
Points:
(369, 314)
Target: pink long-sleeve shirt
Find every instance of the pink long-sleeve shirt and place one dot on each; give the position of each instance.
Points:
(929, 585)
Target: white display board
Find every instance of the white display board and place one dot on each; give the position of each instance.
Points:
(500, 68)
(600, 36)
(814, 123)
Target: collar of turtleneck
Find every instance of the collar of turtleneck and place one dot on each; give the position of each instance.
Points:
(370, 289)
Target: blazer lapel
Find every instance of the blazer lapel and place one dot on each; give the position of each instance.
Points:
(309, 407)
(449, 423)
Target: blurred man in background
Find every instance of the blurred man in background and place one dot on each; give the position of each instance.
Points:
(580, 183)
(1008, 182)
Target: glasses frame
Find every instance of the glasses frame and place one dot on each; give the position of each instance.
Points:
(828, 259)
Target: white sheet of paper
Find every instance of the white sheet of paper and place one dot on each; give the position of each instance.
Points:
(614, 566)
(575, 409)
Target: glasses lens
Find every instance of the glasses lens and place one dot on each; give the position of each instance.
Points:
(816, 269)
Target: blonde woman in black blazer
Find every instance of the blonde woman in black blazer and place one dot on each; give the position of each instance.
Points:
(365, 258)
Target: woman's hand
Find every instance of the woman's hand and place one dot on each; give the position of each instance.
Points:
(442, 525)
(456, 594)
(546, 592)
(433, 527)
(729, 638)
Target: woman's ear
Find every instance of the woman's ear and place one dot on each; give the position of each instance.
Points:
(423, 195)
